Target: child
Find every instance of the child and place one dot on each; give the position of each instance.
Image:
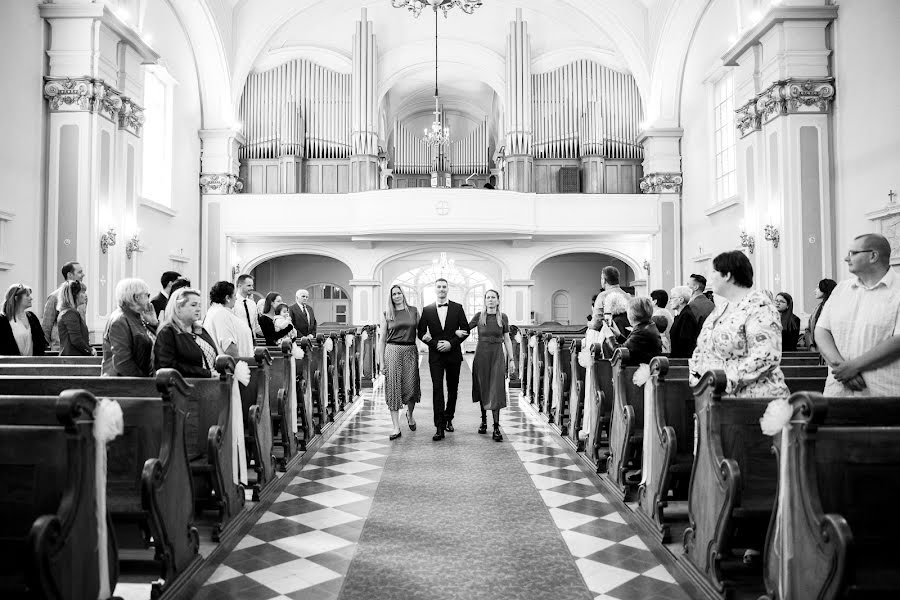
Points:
(283, 321)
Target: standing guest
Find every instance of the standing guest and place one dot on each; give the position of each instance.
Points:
(244, 305)
(489, 366)
(159, 300)
(790, 323)
(822, 293)
(282, 323)
(439, 328)
(685, 330)
(743, 336)
(267, 320)
(231, 334)
(20, 330)
(127, 346)
(302, 315)
(71, 271)
(181, 342)
(644, 342)
(858, 331)
(701, 302)
(400, 359)
(74, 337)
(609, 281)
(660, 300)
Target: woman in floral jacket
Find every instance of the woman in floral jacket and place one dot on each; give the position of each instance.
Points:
(742, 337)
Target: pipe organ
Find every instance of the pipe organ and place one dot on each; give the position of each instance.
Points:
(585, 109)
(413, 156)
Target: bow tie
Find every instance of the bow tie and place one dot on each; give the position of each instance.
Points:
(445, 304)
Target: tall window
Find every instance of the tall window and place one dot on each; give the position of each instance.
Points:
(723, 110)
(157, 136)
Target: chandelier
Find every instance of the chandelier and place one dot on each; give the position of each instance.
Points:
(416, 6)
(439, 135)
(443, 265)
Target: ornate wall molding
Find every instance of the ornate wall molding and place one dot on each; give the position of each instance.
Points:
(783, 98)
(85, 94)
(661, 183)
(220, 184)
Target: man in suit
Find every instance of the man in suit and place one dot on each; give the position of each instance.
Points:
(160, 300)
(245, 305)
(438, 328)
(700, 305)
(302, 315)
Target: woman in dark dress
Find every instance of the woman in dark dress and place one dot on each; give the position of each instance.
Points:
(21, 333)
(74, 337)
(267, 320)
(181, 342)
(489, 366)
(823, 292)
(790, 323)
(400, 359)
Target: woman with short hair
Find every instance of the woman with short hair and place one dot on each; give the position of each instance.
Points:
(231, 334)
(742, 336)
(74, 337)
(127, 346)
(685, 327)
(20, 330)
(181, 342)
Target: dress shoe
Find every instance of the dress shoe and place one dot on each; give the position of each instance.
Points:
(448, 426)
(394, 436)
(498, 437)
(412, 426)
(438, 436)
(483, 427)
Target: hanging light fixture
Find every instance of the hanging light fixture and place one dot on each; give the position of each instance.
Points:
(438, 135)
(417, 6)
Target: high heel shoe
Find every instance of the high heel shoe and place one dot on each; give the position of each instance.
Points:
(394, 436)
(498, 437)
(412, 426)
(483, 427)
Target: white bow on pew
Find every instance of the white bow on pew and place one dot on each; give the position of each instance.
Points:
(108, 424)
(640, 379)
(238, 450)
(777, 418)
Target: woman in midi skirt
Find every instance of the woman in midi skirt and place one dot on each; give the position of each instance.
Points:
(400, 359)
(489, 367)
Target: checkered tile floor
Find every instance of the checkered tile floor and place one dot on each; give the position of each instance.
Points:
(303, 545)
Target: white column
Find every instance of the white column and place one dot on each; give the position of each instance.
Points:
(519, 167)
(662, 176)
(367, 302)
(219, 165)
(516, 300)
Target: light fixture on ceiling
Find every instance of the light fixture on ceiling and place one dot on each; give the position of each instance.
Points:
(438, 135)
(417, 6)
(443, 265)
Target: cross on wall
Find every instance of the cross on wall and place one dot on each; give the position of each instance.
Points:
(891, 195)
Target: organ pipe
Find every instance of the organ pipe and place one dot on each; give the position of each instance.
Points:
(364, 136)
(584, 108)
(298, 108)
(519, 119)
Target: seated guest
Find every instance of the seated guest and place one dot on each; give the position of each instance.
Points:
(685, 329)
(790, 323)
(823, 293)
(181, 342)
(742, 337)
(127, 346)
(159, 300)
(267, 320)
(231, 334)
(21, 333)
(644, 341)
(74, 337)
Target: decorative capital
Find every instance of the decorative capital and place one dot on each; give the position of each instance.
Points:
(220, 183)
(747, 119)
(69, 95)
(85, 94)
(787, 97)
(661, 183)
(131, 117)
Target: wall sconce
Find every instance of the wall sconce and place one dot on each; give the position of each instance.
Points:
(646, 266)
(773, 235)
(236, 270)
(107, 239)
(747, 241)
(133, 245)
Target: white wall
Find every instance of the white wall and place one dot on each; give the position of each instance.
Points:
(866, 115)
(163, 234)
(22, 170)
(287, 274)
(577, 274)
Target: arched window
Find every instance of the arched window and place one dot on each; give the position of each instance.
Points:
(330, 302)
(560, 307)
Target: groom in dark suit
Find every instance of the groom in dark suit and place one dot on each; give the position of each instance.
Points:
(437, 328)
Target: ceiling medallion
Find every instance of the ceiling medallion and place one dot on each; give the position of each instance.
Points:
(417, 6)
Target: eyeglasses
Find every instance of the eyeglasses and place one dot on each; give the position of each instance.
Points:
(851, 253)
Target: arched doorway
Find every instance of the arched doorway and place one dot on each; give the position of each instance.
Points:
(560, 307)
(326, 279)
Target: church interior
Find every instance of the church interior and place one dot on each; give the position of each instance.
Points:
(517, 146)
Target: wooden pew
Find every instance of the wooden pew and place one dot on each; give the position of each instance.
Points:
(577, 393)
(626, 428)
(258, 421)
(367, 355)
(48, 532)
(560, 376)
(208, 430)
(602, 393)
(55, 359)
(148, 473)
(309, 426)
(279, 400)
(318, 367)
(49, 370)
(335, 374)
(843, 456)
(515, 380)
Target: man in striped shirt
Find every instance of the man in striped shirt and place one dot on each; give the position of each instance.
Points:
(860, 324)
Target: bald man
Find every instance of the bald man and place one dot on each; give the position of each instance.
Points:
(302, 315)
(858, 332)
